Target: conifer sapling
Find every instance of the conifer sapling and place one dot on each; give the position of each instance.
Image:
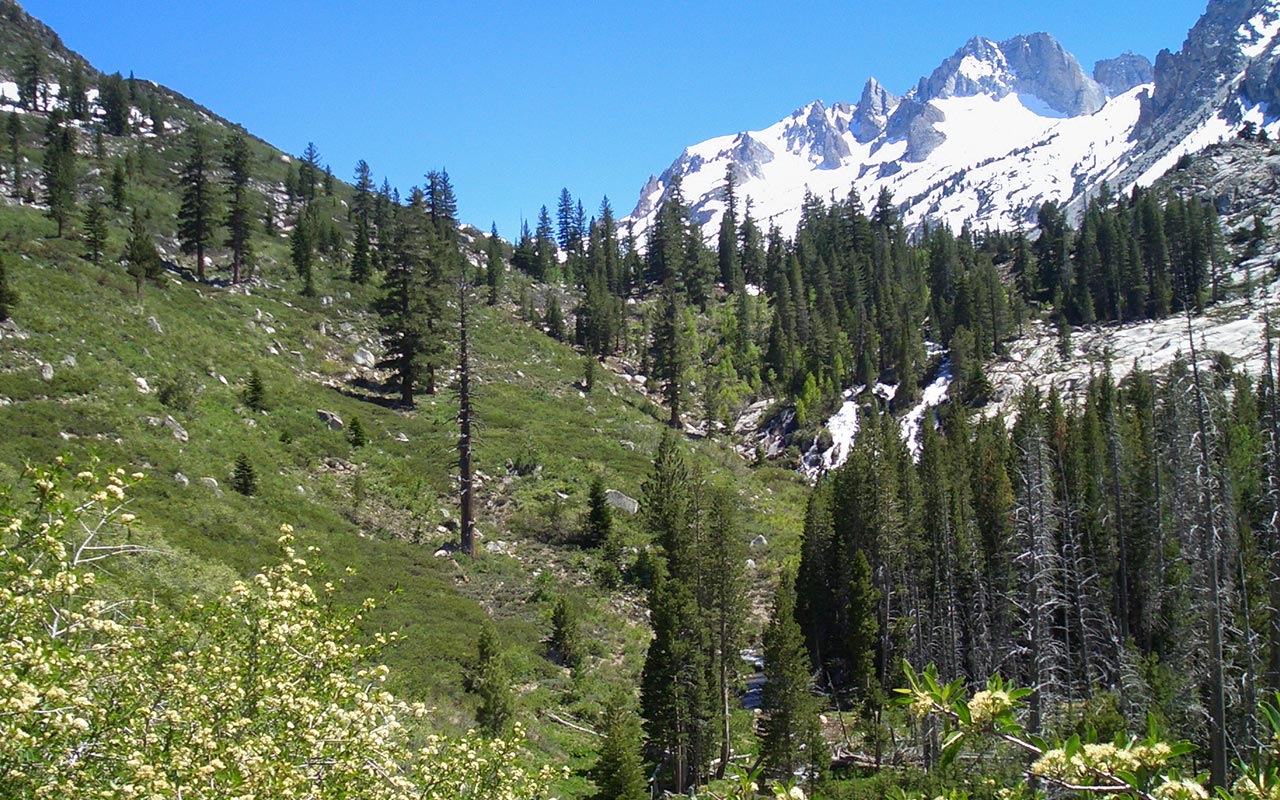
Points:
(244, 479)
(255, 392)
(355, 433)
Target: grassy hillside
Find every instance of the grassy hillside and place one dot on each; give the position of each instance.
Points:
(89, 368)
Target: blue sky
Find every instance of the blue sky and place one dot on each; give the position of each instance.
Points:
(517, 100)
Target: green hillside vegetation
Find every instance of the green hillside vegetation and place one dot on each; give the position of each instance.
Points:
(154, 375)
(300, 387)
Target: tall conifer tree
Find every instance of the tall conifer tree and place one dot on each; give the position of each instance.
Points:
(237, 160)
(197, 215)
(791, 741)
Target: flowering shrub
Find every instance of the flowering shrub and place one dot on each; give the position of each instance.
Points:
(748, 788)
(262, 693)
(1146, 768)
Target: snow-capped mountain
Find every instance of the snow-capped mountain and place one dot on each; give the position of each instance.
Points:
(998, 129)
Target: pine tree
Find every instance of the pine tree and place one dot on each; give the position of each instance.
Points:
(618, 772)
(302, 252)
(308, 172)
(73, 94)
(665, 506)
(554, 319)
(408, 304)
(355, 433)
(676, 696)
(545, 248)
(8, 297)
(493, 684)
(60, 171)
(566, 636)
(791, 741)
(678, 688)
(864, 628)
(361, 264)
(727, 243)
(119, 182)
(197, 214)
(442, 206)
(244, 479)
(493, 265)
(140, 255)
(466, 477)
(362, 201)
(566, 235)
(726, 604)
(238, 159)
(31, 79)
(155, 110)
(255, 392)
(599, 522)
(114, 99)
(95, 231)
(668, 353)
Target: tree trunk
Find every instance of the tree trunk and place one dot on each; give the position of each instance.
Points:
(1217, 689)
(466, 482)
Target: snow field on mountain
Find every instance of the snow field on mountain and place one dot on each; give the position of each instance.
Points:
(1001, 158)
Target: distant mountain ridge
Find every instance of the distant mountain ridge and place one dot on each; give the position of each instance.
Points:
(997, 129)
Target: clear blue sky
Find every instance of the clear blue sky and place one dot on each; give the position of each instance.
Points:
(517, 100)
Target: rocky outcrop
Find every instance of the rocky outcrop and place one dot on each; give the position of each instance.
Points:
(1033, 65)
(1229, 56)
(1120, 74)
(1052, 74)
(872, 114)
(1241, 177)
(748, 155)
(812, 129)
(915, 122)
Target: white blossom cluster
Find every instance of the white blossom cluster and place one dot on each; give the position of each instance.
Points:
(262, 693)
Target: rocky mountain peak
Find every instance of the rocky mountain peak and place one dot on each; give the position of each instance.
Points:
(1120, 74)
(1035, 64)
(979, 67)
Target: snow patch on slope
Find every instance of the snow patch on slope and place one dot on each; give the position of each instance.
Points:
(1256, 35)
(843, 426)
(934, 395)
(1213, 130)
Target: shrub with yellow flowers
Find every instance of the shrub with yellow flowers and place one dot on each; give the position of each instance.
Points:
(264, 692)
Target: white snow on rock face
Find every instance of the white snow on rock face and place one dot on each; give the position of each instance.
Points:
(1001, 158)
(1256, 35)
(934, 395)
(1233, 328)
(992, 134)
(843, 426)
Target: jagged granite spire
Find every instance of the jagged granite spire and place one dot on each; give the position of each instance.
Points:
(872, 114)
